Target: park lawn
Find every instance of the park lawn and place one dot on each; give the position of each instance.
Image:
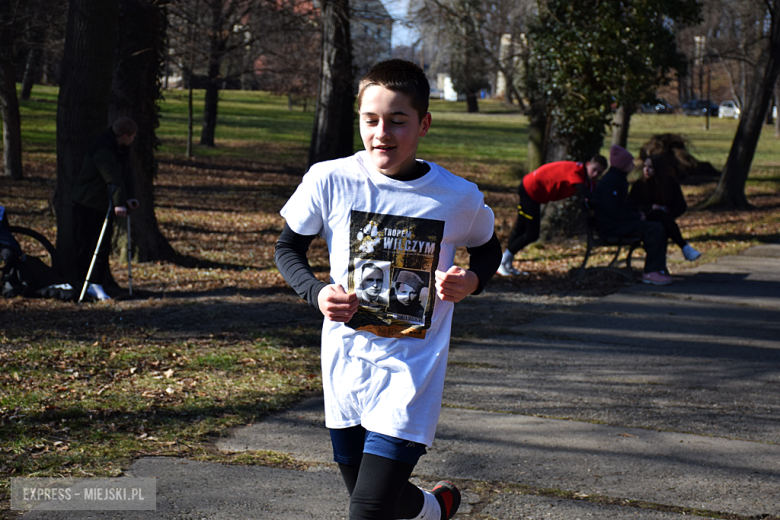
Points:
(217, 339)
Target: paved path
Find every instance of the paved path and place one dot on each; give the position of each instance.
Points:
(653, 403)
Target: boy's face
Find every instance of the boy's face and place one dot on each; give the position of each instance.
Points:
(594, 169)
(390, 129)
(405, 294)
(372, 282)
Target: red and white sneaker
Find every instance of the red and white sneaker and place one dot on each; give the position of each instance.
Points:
(448, 497)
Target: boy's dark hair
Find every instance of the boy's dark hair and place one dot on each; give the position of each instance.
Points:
(124, 126)
(401, 76)
(599, 159)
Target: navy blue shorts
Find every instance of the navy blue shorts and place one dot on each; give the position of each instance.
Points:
(349, 445)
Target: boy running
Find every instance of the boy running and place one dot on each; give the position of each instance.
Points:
(383, 371)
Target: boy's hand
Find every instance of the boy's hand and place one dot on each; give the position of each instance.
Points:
(455, 284)
(336, 305)
(120, 211)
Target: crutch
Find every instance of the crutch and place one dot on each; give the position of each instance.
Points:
(129, 259)
(100, 241)
(94, 255)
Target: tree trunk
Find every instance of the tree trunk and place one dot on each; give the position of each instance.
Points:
(216, 53)
(508, 93)
(12, 122)
(9, 102)
(136, 89)
(32, 69)
(621, 124)
(82, 106)
(731, 188)
(537, 128)
(472, 102)
(210, 106)
(333, 132)
(519, 96)
(556, 149)
(31, 72)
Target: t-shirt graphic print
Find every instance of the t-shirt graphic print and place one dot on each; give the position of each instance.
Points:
(392, 260)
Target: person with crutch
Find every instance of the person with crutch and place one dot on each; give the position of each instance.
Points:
(106, 170)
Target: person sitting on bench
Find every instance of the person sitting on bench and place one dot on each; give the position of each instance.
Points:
(659, 196)
(615, 217)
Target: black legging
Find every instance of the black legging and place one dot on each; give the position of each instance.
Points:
(527, 225)
(670, 226)
(379, 489)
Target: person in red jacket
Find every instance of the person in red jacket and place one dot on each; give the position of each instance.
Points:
(550, 182)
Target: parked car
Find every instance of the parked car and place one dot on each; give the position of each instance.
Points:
(728, 109)
(698, 107)
(659, 106)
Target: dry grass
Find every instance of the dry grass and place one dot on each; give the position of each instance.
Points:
(83, 389)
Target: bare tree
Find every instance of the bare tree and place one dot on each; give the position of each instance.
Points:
(13, 16)
(224, 44)
(9, 102)
(290, 59)
(476, 40)
(23, 27)
(333, 132)
(136, 90)
(43, 30)
(82, 106)
(110, 71)
(730, 191)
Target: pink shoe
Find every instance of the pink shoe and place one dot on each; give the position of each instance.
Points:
(656, 278)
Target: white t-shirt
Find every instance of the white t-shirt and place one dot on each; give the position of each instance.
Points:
(385, 368)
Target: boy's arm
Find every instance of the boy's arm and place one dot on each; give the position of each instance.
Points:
(457, 283)
(290, 257)
(484, 261)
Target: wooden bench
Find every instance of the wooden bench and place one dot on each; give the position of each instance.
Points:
(594, 240)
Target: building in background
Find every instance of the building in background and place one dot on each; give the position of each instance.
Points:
(371, 28)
